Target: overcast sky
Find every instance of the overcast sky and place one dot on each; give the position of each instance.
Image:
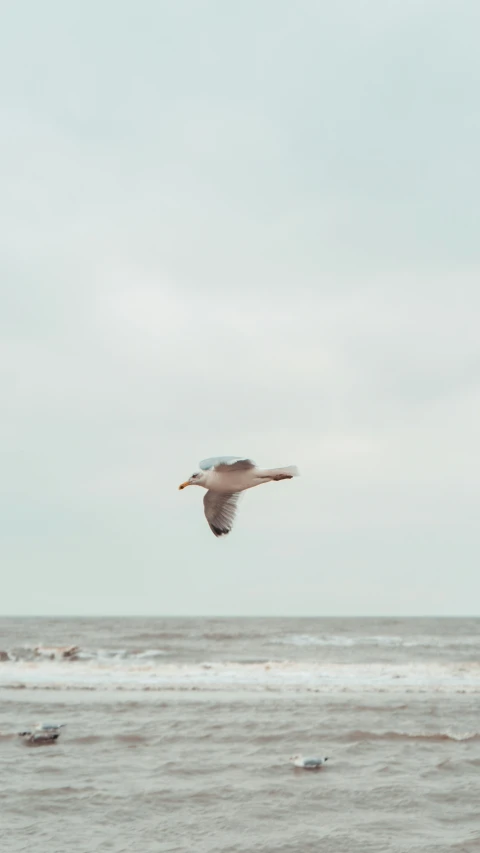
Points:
(246, 228)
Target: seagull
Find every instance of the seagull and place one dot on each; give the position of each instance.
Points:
(42, 733)
(307, 763)
(39, 738)
(225, 477)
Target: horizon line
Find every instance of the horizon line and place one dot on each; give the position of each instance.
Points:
(233, 616)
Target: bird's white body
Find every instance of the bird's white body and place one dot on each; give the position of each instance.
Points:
(40, 738)
(235, 481)
(307, 763)
(224, 477)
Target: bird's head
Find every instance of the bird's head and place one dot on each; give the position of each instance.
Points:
(196, 479)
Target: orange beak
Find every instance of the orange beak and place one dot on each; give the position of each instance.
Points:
(184, 485)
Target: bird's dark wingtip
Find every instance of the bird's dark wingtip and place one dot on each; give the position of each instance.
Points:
(219, 531)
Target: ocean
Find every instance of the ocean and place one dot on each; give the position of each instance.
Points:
(178, 734)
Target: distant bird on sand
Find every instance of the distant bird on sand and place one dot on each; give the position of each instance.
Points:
(225, 477)
(307, 763)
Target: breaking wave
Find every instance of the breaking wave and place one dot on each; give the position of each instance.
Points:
(432, 737)
(69, 667)
(380, 640)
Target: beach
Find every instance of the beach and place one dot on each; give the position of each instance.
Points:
(178, 734)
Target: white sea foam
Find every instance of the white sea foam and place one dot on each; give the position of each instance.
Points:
(75, 653)
(388, 640)
(287, 675)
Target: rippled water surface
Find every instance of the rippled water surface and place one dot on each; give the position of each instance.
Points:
(179, 732)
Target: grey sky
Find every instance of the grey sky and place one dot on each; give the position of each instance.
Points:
(240, 228)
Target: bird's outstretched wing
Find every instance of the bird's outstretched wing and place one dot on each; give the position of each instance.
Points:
(220, 509)
(227, 463)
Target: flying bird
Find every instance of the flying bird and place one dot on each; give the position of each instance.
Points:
(225, 477)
